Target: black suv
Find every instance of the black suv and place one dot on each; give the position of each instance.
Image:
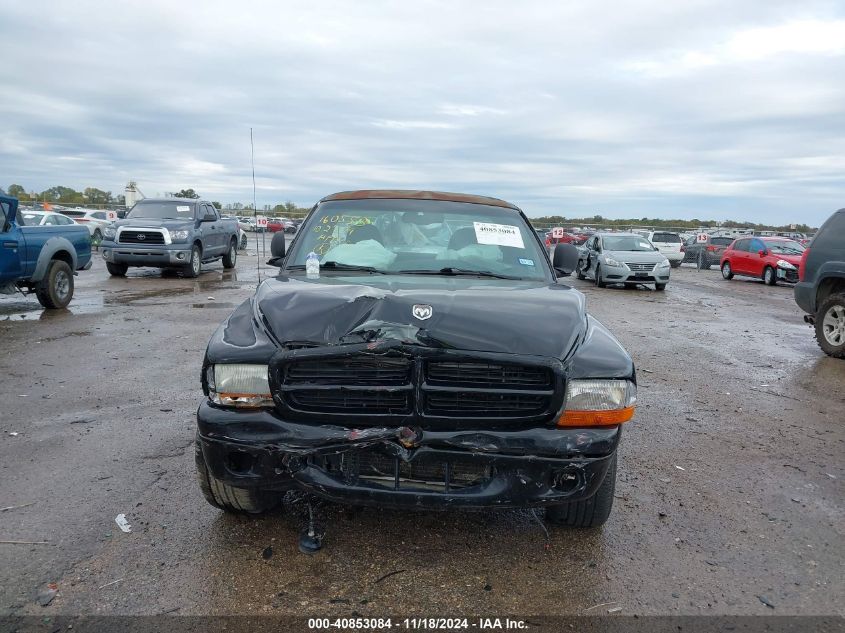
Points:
(403, 372)
(821, 289)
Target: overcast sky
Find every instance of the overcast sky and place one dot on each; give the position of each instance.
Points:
(687, 109)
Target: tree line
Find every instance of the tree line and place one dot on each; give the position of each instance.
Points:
(94, 196)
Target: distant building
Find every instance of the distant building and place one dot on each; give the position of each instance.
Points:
(132, 194)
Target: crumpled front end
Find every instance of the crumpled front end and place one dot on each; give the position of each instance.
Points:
(371, 409)
(405, 466)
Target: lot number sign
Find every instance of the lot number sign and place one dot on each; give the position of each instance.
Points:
(557, 232)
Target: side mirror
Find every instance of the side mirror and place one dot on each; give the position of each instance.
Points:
(209, 217)
(277, 249)
(565, 259)
(762, 253)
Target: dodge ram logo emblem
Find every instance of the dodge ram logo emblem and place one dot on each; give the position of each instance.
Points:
(422, 311)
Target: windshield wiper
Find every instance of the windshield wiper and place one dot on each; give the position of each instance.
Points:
(449, 270)
(339, 266)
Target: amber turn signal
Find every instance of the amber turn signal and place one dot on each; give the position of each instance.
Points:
(611, 417)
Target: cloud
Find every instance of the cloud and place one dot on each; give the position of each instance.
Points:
(705, 108)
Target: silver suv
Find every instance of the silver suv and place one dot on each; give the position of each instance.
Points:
(623, 258)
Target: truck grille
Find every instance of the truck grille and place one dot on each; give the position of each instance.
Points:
(640, 268)
(461, 403)
(141, 237)
(343, 401)
(352, 370)
(404, 384)
(481, 374)
(424, 472)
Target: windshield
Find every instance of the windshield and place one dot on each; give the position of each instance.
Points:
(176, 210)
(785, 248)
(420, 236)
(626, 243)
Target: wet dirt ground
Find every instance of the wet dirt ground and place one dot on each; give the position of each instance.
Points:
(729, 497)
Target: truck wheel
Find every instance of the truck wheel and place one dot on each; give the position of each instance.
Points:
(830, 325)
(231, 255)
(587, 513)
(117, 270)
(229, 498)
(55, 290)
(195, 265)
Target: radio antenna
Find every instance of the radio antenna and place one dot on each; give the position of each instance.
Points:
(255, 206)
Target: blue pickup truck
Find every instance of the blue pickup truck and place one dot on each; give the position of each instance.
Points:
(40, 259)
(176, 233)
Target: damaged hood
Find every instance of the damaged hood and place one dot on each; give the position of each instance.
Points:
(510, 317)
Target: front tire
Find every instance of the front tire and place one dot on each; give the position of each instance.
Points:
(55, 290)
(195, 265)
(727, 273)
(599, 281)
(769, 276)
(579, 271)
(117, 270)
(231, 256)
(830, 325)
(660, 287)
(243, 242)
(229, 498)
(587, 513)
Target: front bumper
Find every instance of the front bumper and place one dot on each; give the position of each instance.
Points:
(403, 467)
(155, 256)
(623, 274)
(787, 275)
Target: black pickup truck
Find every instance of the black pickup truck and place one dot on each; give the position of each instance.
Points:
(820, 290)
(434, 361)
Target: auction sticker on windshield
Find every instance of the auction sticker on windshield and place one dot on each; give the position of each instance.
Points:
(498, 234)
(182, 208)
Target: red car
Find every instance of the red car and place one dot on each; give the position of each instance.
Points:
(771, 259)
(274, 226)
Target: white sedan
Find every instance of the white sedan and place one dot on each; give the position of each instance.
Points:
(45, 218)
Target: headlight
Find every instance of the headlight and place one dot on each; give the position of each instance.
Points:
(178, 236)
(109, 232)
(612, 262)
(663, 264)
(239, 385)
(782, 263)
(598, 402)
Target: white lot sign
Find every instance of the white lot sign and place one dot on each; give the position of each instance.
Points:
(261, 221)
(558, 232)
(701, 237)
